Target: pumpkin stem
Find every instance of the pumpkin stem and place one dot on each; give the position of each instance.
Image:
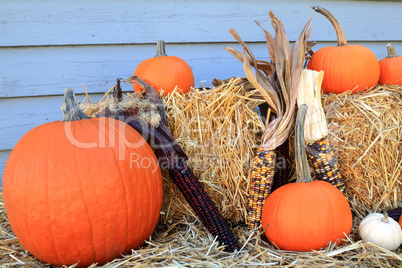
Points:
(385, 219)
(391, 51)
(117, 92)
(71, 109)
(338, 29)
(160, 48)
(302, 168)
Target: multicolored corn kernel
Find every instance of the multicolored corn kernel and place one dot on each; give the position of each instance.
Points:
(262, 175)
(281, 176)
(202, 205)
(325, 163)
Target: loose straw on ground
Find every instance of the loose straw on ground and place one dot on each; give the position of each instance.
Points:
(187, 244)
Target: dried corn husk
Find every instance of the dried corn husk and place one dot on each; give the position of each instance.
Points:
(309, 93)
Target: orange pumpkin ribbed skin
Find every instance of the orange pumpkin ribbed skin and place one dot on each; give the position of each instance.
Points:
(391, 68)
(87, 191)
(391, 71)
(165, 72)
(306, 216)
(348, 67)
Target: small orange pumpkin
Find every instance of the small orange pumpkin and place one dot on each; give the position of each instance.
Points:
(346, 67)
(391, 68)
(308, 214)
(164, 72)
(400, 221)
(82, 190)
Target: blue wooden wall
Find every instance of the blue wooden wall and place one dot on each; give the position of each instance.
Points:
(47, 46)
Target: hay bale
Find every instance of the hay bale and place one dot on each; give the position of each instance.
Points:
(220, 130)
(366, 130)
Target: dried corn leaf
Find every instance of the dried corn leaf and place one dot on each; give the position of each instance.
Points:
(281, 95)
(270, 43)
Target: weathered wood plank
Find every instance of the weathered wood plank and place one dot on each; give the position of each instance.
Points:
(49, 70)
(3, 159)
(42, 71)
(44, 22)
(19, 115)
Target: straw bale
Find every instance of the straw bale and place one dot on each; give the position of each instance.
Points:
(220, 130)
(366, 130)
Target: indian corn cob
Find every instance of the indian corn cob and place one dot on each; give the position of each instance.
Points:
(277, 83)
(202, 204)
(281, 176)
(262, 175)
(323, 158)
(325, 163)
(172, 157)
(395, 213)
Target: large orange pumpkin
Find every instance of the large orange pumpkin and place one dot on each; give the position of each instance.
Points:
(164, 72)
(305, 215)
(391, 68)
(346, 67)
(83, 191)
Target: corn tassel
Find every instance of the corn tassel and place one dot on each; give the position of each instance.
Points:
(325, 163)
(395, 213)
(262, 175)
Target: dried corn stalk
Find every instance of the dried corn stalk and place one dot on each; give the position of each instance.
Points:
(277, 83)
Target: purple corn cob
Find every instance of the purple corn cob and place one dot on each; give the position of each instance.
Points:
(202, 204)
(172, 157)
(395, 213)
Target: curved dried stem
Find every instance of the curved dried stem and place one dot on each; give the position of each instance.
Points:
(302, 167)
(340, 34)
